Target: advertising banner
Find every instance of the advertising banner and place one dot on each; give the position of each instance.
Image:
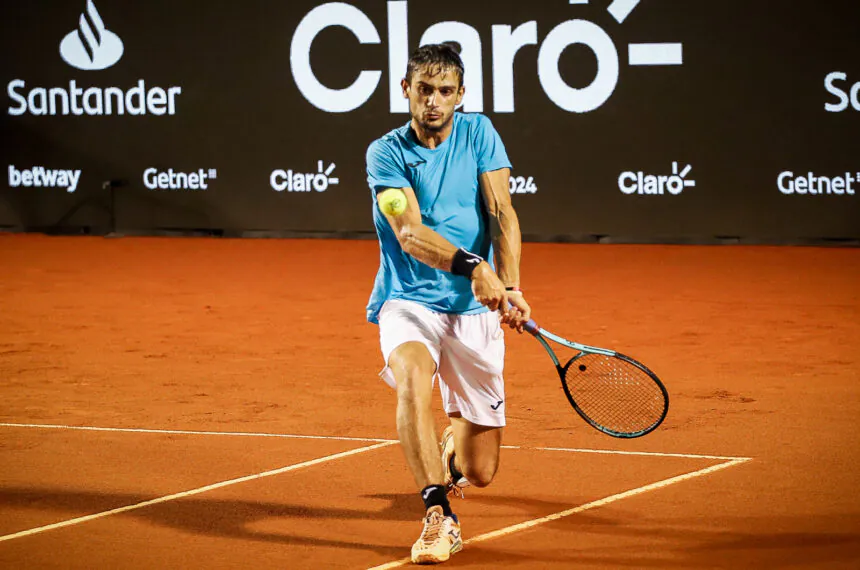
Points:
(646, 120)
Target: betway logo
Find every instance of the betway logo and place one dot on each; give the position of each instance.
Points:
(506, 42)
(91, 47)
(654, 184)
(810, 183)
(41, 177)
(287, 180)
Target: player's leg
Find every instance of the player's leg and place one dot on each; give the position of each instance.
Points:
(409, 335)
(470, 372)
(476, 454)
(413, 368)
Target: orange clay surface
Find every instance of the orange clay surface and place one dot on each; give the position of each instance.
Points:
(759, 348)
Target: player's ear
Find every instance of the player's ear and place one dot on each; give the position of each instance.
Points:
(460, 95)
(405, 86)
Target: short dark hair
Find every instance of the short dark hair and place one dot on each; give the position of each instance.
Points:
(439, 57)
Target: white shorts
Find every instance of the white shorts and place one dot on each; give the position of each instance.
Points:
(469, 351)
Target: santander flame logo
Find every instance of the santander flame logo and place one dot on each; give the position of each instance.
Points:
(91, 46)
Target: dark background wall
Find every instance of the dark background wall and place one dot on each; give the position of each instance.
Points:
(748, 103)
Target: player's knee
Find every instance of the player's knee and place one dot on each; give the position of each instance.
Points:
(413, 386)
(480, 475)
(413, 370)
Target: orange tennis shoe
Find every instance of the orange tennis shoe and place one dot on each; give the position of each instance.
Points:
(439, 539)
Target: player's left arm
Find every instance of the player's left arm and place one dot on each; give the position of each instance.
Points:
(504, 227)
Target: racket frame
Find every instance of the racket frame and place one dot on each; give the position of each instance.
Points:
(542, 335)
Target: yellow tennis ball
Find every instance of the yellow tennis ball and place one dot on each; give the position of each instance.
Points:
(392, 201)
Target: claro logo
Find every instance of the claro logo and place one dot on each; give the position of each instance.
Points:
(506, 42)
(288, 181)
(91, 47)
(656, 184)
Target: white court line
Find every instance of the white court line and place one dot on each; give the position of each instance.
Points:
(641, 453)
(587, 506)
(197, 491)
(192, 432)
(359, 439)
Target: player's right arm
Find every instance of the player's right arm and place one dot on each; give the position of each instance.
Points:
(416, 239)
(430, 248)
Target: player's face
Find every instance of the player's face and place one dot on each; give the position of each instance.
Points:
(433, 95)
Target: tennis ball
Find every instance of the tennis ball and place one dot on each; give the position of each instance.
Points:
(392, 201)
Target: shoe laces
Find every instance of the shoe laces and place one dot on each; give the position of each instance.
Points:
(432, 526)
(456, 490)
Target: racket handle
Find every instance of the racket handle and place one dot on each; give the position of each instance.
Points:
(531, 327)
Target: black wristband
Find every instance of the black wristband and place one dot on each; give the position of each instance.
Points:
(465, 262)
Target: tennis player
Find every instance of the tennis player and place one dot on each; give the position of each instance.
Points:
(448, 280)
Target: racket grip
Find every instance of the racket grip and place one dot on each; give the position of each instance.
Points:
(531, 327)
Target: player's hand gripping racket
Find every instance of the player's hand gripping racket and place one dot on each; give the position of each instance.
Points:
(614, 393)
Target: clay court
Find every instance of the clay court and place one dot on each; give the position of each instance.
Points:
(214, 403)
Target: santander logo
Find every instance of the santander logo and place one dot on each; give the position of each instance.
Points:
(91, 46)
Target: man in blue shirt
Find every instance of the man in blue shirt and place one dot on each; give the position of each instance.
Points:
(448, 279)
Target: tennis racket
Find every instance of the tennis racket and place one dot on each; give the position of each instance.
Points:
(612, 392)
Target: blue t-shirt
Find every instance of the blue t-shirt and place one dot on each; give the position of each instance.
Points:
(445, 181)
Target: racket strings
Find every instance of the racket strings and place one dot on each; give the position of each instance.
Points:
(614, 393)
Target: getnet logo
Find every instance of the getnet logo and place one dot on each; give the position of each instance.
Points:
(91, 46)
(506, 42)
(155, 179)
(656, 184)
(289, 181)
(812, 184)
